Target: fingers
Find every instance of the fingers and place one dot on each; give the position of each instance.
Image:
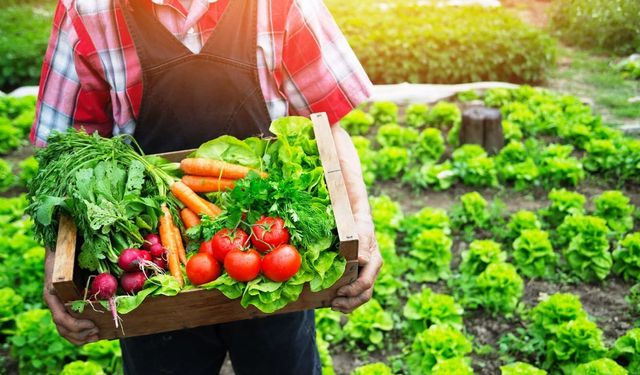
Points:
(360, 291)
(77, 331)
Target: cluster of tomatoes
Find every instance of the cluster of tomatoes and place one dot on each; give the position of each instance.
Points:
(244, 256)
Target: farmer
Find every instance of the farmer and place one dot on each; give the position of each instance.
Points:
(176, 73)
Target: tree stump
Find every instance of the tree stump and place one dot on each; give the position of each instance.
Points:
(482, 126)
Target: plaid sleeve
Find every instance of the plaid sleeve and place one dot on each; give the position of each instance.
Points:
(320, 72)
(67, 96)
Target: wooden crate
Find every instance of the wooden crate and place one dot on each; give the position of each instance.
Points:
(200, 307)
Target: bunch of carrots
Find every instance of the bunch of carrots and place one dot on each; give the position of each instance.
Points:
(200, 176)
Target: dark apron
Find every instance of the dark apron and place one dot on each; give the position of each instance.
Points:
(188, 98)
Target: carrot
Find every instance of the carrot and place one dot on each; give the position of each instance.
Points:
(189, 218)
(182, 254)
(216, 210)
(191, 199)
(200, 184)
(167, 237)
(215, 168)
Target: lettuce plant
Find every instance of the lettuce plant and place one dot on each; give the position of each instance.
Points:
(367, 158)
(559, 171)
(616, 209)
(602, 156)
(515, 166)
(430, 256)
(533, 253)
(435, 176)
(521, 368)
(562, 203)
(555, 310)
(576, 341)
(453, 366)
(417, 115)
(444, 115)
(357, 122)
(498, 288)
(587, 253)
(511, 131)
(11, 304)
(474, 167)
(390, 162)
(328, 325)
(106, 353)
(28, 169)
(394, 135)
(472, 212)
(480, 255)
(436, 344)
(429, 146)
(7, 178)
(387, 214)
(602, 366)
(426, 218)
(384, 112)
(388, 284)
(387, 246)
(377, 368)
(521, 221)
(367, 324)
(626, 258)
(626, 350)
(82, 368)
(427, 308)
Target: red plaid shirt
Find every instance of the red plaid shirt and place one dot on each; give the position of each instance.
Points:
(91, 75)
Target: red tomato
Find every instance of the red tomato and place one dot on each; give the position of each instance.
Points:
(268, 233)
(225, 241)
(282, 263)
(202, 268)
(242, 265)
(207, 247)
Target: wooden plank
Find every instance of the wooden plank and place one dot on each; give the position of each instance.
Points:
(64, 261)
(190, 309)
(335, 181)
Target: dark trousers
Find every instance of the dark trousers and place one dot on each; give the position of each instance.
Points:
(281, 344)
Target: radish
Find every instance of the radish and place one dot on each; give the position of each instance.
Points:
(104, 287)
(145, 255)
(157, 251)
(150, 240)
(133, 282)
(160, 263)
(129, 260)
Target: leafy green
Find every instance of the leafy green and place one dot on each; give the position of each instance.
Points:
(325, 356)
(626, 350)
(577, 341)
(427, 308)
(368, 324)
(553, 311)
(82, 368)
(521, 221)
(387, 214)
(521, 368)
(626, 258)
(417, 115)
(328, 325)
(474, 167)
(426, 218)
(470, 214)
(444, 115)
(357, 122)
(615, 208)
(105, 353)
(377, 368)
(429, 175)
(390, 162)
(429, 147)
(480, 255)
(602, 366)
(533, 254)
(394, 135)
(7, 178)
(587, 253)
(453, 366)
(10, 305)
(498, 289)
(384, 112)
(430, 256)
(28, 170)
(434, 345)
(562, 204)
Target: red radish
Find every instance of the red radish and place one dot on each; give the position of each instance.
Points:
(129, 260)
(150, 240)
(160, 263)
(104, 287)
(157, 250)
(145, 255)
(132, 282)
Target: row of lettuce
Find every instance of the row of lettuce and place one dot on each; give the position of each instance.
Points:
(551, 141)
(423, 332)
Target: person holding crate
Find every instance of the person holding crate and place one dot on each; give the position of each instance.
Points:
(176, 73)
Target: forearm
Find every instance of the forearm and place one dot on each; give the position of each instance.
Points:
(352, 173)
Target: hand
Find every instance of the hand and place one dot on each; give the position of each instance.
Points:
(360, 291)
(77, 331)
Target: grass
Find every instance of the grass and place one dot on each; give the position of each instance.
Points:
(589, 75)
